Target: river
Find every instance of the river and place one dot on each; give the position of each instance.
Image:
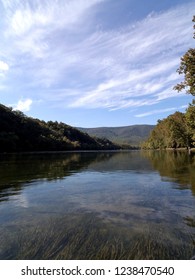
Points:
(97, 205)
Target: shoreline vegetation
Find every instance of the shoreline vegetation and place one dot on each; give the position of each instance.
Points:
(177, 131)
(22, 134)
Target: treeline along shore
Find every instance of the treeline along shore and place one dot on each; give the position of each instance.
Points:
(20, 133)
(177, 131)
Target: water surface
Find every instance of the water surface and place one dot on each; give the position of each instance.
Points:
(97, 205)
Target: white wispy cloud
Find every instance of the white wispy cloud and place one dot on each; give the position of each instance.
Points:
(36, 36)
(23, 105)
(136, 62)
(154, 112)
(31, 26)
(54, 45)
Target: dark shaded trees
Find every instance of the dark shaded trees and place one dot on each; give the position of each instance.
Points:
(21, 133)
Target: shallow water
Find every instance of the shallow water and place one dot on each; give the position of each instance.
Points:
(97, 205)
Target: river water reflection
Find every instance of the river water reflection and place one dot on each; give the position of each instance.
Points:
(97, 205)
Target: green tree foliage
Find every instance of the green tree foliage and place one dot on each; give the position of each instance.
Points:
(190, 119)
(187, 68)
(21, 133)
(171, 132)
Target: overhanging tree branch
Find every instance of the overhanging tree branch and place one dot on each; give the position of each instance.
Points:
(187, 68)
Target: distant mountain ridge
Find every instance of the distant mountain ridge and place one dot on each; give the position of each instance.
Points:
(132, 135)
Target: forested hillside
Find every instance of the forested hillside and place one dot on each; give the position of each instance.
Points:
(21, 133)
(175, 131)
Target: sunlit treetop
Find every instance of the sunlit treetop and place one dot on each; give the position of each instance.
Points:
(187, 68)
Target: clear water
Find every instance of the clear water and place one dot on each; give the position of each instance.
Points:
(97, 205)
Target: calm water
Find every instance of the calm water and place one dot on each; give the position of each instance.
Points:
(94, 205)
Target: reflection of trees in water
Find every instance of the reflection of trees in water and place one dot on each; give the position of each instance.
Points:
(17, 169)
(80, 234)
(124, 161)
(177, 165)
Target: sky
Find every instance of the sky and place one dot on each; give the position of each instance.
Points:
(93, 63)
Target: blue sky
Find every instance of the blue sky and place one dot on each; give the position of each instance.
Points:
(93, 63)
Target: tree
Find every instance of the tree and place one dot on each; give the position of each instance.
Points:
(190, 118)
(187, 68)
(171, 132)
